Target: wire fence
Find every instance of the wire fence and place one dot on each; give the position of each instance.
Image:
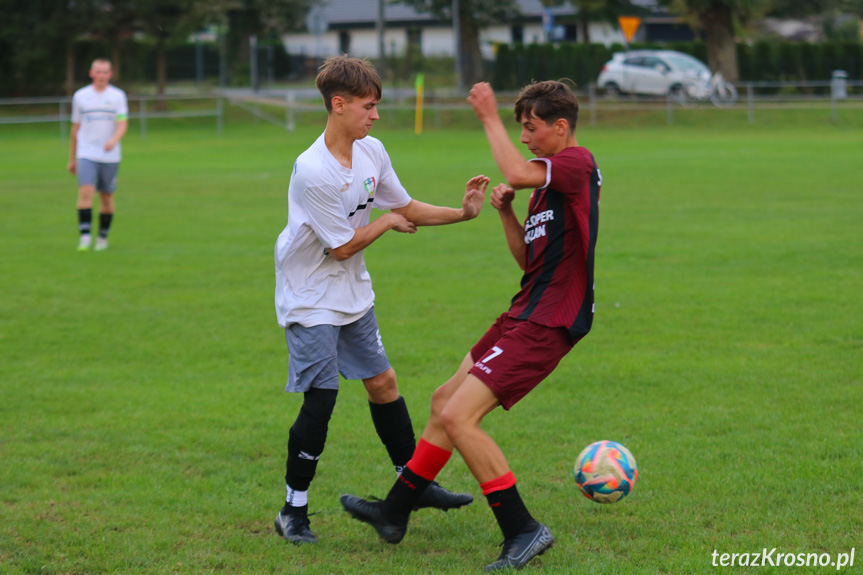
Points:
(441, 108)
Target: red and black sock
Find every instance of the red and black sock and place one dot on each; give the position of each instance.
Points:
(508, 508)
(415, 478)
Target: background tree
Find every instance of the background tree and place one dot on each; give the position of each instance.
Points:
(474, 15)
(717, 19)
(166, 21)
(246, 18)
(37, 43)
(115, 21)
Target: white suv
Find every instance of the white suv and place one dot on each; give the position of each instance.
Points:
(657, 72)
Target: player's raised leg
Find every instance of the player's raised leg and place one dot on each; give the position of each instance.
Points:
(393, 425)
(416, 481)
(524, 536)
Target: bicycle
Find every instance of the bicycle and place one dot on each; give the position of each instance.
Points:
(718, 90)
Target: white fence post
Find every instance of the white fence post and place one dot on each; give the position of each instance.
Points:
(142, 112)
(750, 102)
(62, 121)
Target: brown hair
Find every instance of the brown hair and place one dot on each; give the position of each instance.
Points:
(347, 77)
(548, 101)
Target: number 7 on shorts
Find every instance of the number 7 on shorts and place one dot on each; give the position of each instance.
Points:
(495, 351)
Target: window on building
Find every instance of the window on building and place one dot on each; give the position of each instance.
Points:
(415, 40)
(518, 34)
(344, 42)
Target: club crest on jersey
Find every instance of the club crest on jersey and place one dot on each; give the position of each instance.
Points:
(369, 184)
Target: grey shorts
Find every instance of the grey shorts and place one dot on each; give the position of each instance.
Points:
(101, 175)
(320, 353)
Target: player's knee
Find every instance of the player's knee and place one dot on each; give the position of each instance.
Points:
(382, 388)
(453, 423)
(439, 400)
(310, 428)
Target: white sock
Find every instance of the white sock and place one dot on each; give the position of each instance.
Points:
(296, 498)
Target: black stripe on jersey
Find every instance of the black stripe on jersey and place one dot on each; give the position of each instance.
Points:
(553, 250)
(584, 319)
(361, 207)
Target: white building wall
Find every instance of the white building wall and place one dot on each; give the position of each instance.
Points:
(435, 40)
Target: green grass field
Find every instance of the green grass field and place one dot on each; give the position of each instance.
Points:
(142, 418)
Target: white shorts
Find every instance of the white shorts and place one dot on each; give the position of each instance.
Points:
(318, 354)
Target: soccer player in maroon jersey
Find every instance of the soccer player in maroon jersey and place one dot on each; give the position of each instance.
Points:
(552, 311)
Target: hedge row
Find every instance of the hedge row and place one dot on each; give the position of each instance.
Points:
(45, 74)
(520, 64)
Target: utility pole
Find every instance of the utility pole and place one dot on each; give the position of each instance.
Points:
(456, 34)
(379, 26)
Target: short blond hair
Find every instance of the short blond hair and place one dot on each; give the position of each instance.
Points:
(101, 61)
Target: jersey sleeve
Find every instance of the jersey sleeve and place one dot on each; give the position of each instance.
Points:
(76, 109)
(547, 163)
(325, 213)
(569, 172)
(123, 108)
(389, 193)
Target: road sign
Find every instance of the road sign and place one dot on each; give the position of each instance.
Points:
(629, 25)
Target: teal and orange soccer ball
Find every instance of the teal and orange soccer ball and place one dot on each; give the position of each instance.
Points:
(605, 472)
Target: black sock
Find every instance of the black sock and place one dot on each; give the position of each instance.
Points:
(404, 494)
(85, 219)
(393, 424)
(104, 224)
(511, 514)
(289, 510)
(308, 436)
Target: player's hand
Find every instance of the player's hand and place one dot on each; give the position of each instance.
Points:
(109, 145)
(502, 196)
(474, 196)
(483, 101)
(402, 225)
(72, 166)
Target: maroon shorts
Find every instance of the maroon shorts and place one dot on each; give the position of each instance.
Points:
(515, 355)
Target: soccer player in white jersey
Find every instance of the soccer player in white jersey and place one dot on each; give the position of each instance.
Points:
(324, 298)
(100, 117)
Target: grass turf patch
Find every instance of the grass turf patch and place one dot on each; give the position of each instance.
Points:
(143, 418)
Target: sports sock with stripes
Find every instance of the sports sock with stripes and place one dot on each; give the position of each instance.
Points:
(104, 224)
(85, 220)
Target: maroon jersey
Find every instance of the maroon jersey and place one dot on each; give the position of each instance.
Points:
(560, 239)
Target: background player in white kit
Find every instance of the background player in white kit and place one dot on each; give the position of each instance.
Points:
(324, 296)
(100, 115)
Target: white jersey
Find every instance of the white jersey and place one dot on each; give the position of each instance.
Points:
(97, 114)
(326, 203)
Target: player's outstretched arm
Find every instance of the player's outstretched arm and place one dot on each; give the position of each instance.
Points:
(364, 236)
(423, 214)
(519, 172)
(501, 200)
